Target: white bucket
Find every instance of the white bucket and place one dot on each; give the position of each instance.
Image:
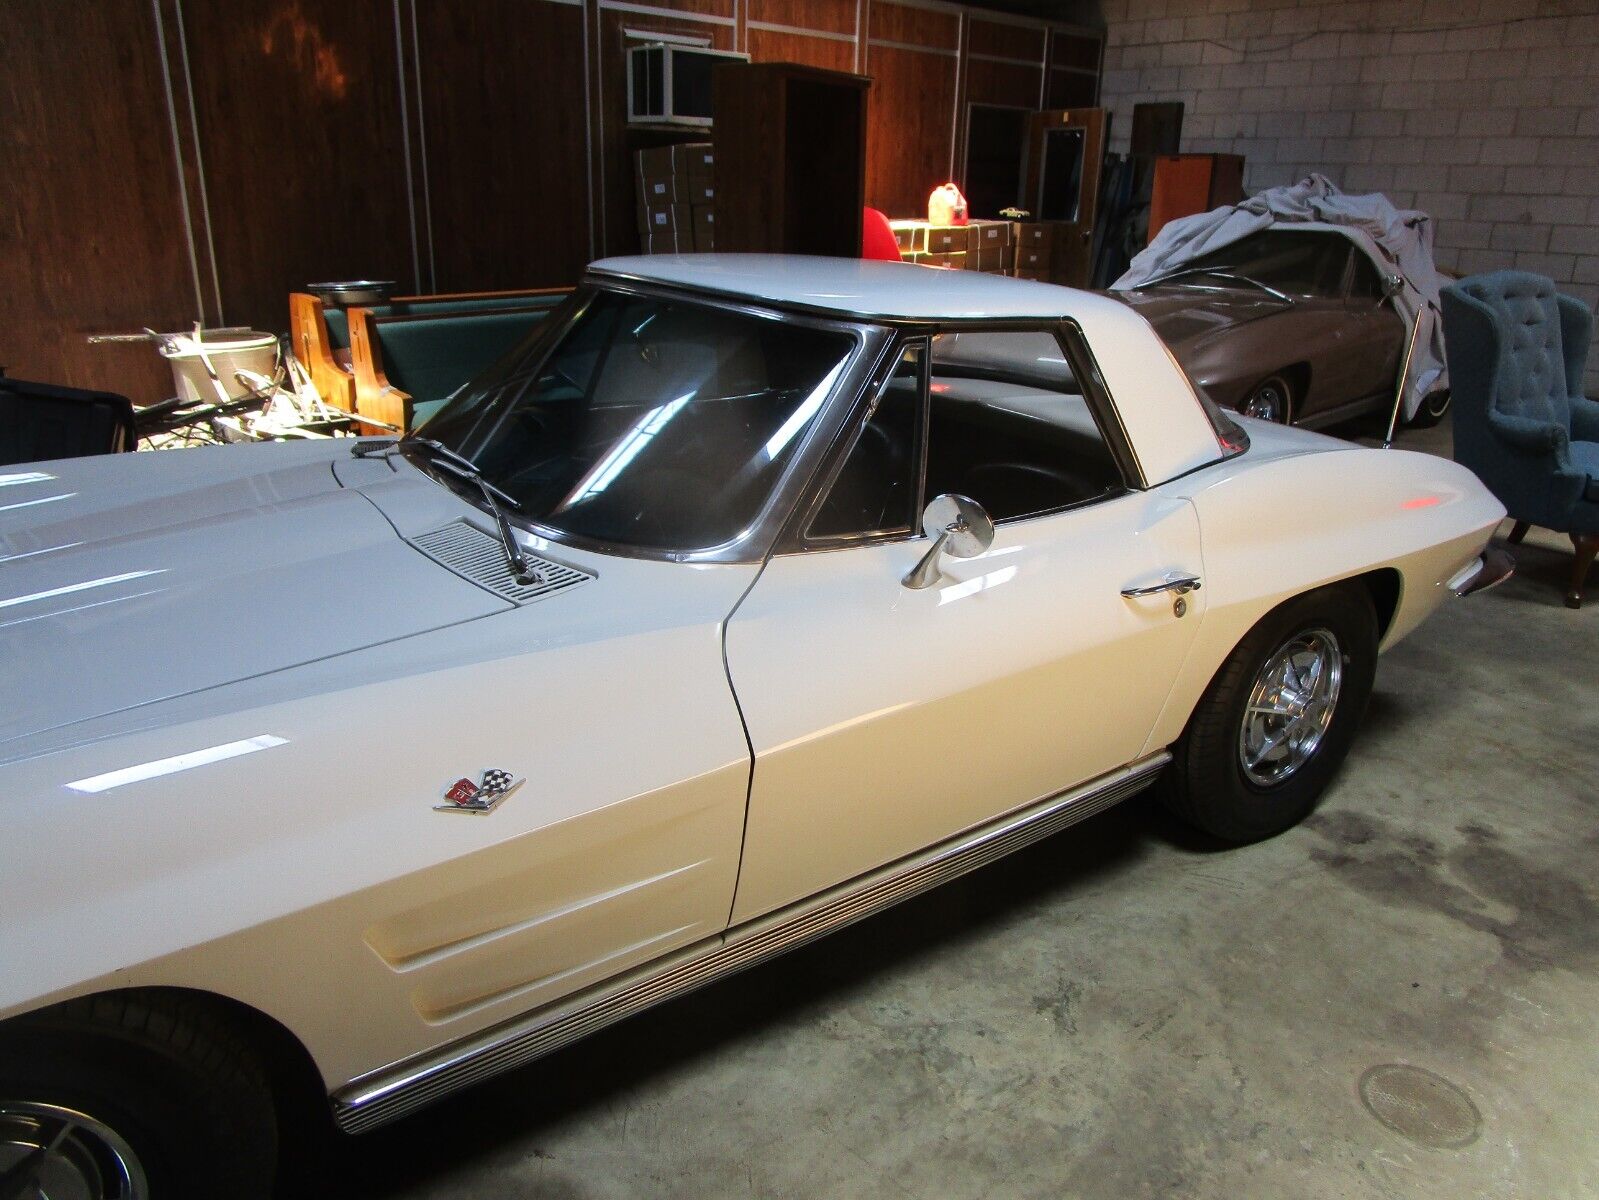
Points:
(227, 355)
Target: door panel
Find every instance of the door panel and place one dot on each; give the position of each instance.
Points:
(884, 719)
(1065, 150)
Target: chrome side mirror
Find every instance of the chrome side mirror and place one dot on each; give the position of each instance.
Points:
(959, 527)
(1391, 285)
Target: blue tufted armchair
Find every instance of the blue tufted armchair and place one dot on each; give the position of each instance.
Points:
(1516, 350)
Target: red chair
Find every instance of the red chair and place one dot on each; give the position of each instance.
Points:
(877, 237)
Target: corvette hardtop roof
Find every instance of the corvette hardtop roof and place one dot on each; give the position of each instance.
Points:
(858, 288)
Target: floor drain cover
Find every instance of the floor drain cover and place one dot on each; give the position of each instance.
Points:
(1421, 1106)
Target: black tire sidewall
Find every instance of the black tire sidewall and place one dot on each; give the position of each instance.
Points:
(1425, 418)
(190, 1138)
(1219, 797)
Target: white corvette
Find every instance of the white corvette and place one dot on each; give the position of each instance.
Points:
(748, 597)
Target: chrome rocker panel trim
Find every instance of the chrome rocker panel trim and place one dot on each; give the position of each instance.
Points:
(394, 1091)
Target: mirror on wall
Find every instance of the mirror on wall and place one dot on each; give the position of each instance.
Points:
(1061, 180)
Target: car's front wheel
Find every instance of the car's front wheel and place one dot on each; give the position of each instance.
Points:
(1277, 720)
(132, 1096)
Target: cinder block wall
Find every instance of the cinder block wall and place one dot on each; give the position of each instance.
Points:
(1484, 114)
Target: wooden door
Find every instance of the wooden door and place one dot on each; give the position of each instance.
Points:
(1065, 150)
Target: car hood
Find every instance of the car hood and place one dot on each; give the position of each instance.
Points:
(1184, 315)
(130, 579)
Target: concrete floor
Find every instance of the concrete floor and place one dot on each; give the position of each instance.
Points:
(1127, 1011)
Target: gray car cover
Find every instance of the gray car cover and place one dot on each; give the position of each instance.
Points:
(1397, 241)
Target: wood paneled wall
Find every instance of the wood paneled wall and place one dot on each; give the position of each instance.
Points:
(167, 161)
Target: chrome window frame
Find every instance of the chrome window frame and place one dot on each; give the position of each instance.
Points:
(1068, 333)
(849, 436)
(752, 544)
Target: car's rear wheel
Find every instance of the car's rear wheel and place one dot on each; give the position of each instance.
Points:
(1433, 407)
(1270, 400)
(1277, 720)
(132, 1096)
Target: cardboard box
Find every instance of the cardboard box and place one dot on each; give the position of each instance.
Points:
(696, 160)
(700, 195)
(908, 235)
(1041, 276)
(658, 191)
(990, 235)
(704, 229)
(991, 259)
(946, 239)
(1030, 259)
(955, 262)
(1035, 235)
(668, 220)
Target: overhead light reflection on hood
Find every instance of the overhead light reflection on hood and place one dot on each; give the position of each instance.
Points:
(178, 762)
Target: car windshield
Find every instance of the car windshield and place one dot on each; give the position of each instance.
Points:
(1301, 263)
(659, 424)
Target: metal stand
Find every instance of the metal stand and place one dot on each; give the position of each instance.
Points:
(1399, 390)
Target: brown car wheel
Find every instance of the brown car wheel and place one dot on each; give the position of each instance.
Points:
(1271, 400)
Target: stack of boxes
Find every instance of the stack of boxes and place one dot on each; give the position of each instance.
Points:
(676, 199)
(976, 246)
(1019, 248)
(1035, 247)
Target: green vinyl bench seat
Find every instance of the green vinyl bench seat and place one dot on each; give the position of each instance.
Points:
(407, 365)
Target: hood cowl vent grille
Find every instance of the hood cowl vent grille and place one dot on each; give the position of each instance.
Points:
(479, 557)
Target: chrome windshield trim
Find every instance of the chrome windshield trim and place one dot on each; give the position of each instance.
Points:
(391, 1092)
(754, 542)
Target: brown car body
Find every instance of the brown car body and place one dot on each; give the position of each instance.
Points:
(1312, 319)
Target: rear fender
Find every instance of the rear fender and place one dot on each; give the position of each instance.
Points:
(1273, 530)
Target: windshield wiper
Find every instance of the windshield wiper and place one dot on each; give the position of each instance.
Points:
(1218, 273)
(447, 460)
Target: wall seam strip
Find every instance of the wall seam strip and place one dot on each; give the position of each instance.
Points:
(588, 127)
(673, 13)
(199, 165)
(861, 17)
(774, 27)
(960, 80)
(177, 157)
(422, 142)
(1000, 58)
(599, 96)
(1043, 69)
(405, 142)
(884, 43)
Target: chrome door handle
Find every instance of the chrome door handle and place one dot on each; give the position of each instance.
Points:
(1181, 584)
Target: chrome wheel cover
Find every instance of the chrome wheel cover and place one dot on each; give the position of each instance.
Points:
(1269, 403)
(1290, 707)
(68, 1154)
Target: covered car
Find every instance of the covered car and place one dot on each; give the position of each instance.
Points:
(1299, 304)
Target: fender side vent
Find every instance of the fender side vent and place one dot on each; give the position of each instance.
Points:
(479, 557)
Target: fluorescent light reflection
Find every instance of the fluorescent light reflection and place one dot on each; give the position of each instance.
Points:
(178, 762)
(972, 586)
(802, 415)
(625, 451)
(107, 581)
(40, 500)
(24, 477)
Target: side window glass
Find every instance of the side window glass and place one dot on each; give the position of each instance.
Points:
(1366, 283)
(875, 490)
(1009, 428)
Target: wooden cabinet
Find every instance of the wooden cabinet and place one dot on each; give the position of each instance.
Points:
(1193, 183)
(790, 159)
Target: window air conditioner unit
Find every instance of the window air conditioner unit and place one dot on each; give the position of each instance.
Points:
(671, 85)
